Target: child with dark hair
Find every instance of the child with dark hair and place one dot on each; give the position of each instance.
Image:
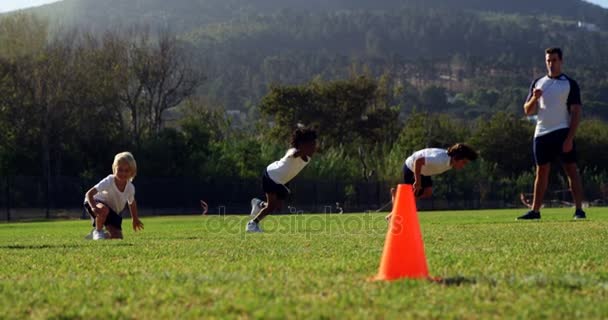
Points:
(420, 166)
(278, 174)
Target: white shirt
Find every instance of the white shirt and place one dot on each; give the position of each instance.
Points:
(108, 193)
(436, 161)
(287, 168)
(553, 107)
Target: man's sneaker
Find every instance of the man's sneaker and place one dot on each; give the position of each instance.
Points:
(531, 215)
(256, 207)
(253, 227)
(579, 214)
(98, 234)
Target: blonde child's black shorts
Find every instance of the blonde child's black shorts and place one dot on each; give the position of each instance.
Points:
(113, 219)
(269, 186)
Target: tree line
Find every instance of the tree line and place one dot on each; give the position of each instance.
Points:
(69, 102)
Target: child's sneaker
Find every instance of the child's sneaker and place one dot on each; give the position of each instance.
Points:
(579, 214)
(90, 235)
(256, 207)
(98, 234)
(253, 227)
(531, 215)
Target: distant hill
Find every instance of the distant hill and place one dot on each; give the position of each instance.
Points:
(460, 45)
(189, 14)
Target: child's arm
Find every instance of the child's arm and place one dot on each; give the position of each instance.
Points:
(418, 164)
(137, 224)
(298, 154)
(90, 195)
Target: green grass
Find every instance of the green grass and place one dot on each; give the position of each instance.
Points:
(310, 266)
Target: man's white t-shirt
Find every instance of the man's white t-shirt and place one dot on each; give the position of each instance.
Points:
(108, 193)
(287, 168)
(437, 161)
(553, 107)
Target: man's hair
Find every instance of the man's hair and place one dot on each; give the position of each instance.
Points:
(302, 135)
(555, 50)
(461, 151)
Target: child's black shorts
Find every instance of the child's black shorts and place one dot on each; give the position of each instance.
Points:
(113, 219)
(409, 178)
(269, 186)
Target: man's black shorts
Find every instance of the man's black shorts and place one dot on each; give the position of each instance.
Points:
(549, 147)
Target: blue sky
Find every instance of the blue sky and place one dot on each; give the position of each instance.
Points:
(10, 5)
(603, 3)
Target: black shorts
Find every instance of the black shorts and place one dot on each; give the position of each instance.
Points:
(409, 178)
(549, 147)
(269, 186)
(113, 219)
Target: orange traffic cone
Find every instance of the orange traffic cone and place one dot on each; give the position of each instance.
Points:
(403, 255)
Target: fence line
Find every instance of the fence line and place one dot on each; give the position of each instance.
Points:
(27, 197)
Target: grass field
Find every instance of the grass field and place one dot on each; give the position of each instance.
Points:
(309, 266)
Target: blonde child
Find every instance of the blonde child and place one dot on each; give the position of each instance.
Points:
(108, 198)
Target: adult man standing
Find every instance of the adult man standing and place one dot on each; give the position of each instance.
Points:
(556, 99)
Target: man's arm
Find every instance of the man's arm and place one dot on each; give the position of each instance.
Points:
(575, 119)
(531, 105)
(575, 108)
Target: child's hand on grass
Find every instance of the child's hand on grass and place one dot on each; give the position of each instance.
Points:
(137, 225)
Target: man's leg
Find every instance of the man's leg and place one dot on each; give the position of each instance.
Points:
(576, 187)
(540, 185)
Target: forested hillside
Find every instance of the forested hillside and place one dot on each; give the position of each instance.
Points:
(450, 51)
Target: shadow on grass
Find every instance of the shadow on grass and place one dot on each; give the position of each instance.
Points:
(53, 246)
(42, 220)
(572, 283)
(454, 281)
(458, 281)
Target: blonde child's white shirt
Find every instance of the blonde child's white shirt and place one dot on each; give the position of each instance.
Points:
(108, 193)
(436, 161)
(282, 171)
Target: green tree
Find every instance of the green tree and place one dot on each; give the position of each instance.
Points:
(505, 140)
